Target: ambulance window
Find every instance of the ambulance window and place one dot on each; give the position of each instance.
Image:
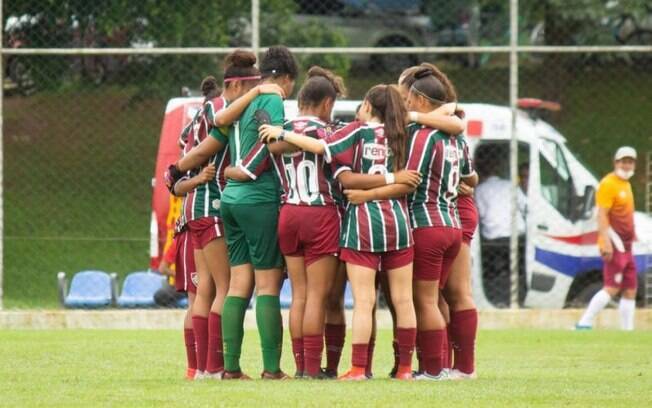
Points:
(556, 182)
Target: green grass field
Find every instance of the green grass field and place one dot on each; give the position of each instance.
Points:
(145, 368)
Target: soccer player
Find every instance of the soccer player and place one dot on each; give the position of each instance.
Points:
(616, 233)
(463, 323)
(310, 247)
(202, 207)
(250, 212)
(373, 232)
(434, 217)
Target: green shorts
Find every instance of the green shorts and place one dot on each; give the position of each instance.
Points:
(251, 234)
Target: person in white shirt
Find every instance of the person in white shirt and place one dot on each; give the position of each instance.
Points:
(493, 199)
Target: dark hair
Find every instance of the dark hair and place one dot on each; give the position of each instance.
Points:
(209, 87)
(409, 77)
(278, 61)
(387, 105)
(240, 63)
(320, 84)
(428, 86)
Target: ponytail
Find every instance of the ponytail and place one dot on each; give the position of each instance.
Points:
(387, 104)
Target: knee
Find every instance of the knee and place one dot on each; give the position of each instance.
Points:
(334, 305)
(364, 303)
(402, 301)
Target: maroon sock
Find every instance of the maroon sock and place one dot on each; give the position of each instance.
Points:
(406, 341)
(448, 362)
(396, 354)
(334, 334)
(215, 357)
(430, 343)
(360, 355)
(445, 346)
(463, 330)
(297, 351)
(313, 346)
(370, 356)
(200, 326)
(191, 354)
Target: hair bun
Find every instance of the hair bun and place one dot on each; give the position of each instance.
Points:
(423, 73)
(240, 59)
(208, 85)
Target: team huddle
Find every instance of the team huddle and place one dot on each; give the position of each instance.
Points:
(384, 202)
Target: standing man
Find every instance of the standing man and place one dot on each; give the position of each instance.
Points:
(615, 203)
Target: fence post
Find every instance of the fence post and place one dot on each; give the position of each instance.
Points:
(513, 153)
(2, 141)
(255, 26)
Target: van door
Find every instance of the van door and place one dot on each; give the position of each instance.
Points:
(549, 254)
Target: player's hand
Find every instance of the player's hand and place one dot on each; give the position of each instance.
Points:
(269, 133)
(271, 89)
(164, 269)
(410, 177)
(607, 251)
(464, 189)
(228, 172)
(171, 176)
(358, 196)
(207, 174)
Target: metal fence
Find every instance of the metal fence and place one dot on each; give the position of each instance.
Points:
(86, 84)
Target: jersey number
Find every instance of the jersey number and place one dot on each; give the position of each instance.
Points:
(303, 182)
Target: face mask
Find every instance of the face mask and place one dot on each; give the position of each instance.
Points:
(624, 174)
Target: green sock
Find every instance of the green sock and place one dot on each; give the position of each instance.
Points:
(233, 315)
(270, 328)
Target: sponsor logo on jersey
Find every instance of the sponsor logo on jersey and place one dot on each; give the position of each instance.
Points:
(298, 126)
(374, 151)
(216, 204)
(451, 153)
(194, 277)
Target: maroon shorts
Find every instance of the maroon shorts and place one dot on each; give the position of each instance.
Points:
(310, 232)
(185, 278)
(205, 230)
(468, 218)
(435, 249)
(378, 261)
(621, 271)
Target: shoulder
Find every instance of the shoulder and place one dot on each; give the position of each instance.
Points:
(268, 100)
(352, 127)
(608, 182)
(217, 103)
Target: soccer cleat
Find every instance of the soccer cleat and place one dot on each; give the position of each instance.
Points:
(274, 376)
(299, 375)
(190, 373)
(215, 376)
(329, 374)
(456, 374)
(580, 327)
(403, 375)
(392, 374)
(425, 376)
(354, 375)
(237, 375)
(199, 375)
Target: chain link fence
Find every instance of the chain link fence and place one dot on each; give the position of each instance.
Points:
(86, 85)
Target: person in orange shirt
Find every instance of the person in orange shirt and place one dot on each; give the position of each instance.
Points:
(615, 203)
